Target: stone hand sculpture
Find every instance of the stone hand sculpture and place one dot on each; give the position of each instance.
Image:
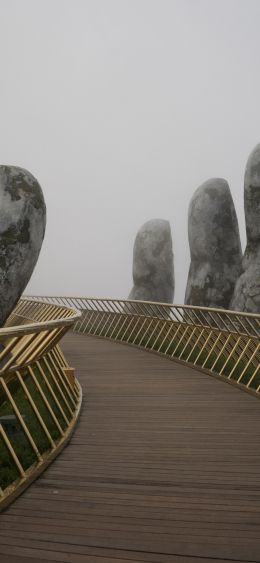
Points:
(247, 290)
(214, 246)
(22, 227)
(153, 272)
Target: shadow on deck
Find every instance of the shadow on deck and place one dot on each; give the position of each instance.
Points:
(163, 467)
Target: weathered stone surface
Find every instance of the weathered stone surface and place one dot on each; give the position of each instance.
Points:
(22, 227)
(214, 246)
(153, 272)
(247, 290)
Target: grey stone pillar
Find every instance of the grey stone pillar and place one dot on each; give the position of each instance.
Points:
(22, 227)
(215, 247)
(153, 271)
(247, 290)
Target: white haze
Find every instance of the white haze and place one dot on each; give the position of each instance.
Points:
(121, 108)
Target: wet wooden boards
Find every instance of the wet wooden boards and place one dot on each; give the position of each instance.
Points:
(163, 467)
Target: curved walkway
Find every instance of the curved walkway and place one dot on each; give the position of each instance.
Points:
(163, 467)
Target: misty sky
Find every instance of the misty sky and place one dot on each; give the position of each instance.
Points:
(121, 109)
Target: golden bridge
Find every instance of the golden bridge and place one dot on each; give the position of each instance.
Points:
(129, 433)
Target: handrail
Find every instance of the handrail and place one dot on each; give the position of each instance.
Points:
(40, 398)
(217, 341)
(51, 314)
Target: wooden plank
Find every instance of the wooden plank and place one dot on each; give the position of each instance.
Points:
(25, 555)
(9, 558)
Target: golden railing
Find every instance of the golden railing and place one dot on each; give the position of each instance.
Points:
(40, 397)
(219, 342)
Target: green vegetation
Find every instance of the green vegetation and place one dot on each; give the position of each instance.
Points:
(18, 439)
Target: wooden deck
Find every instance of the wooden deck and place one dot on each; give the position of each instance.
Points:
(163, 467)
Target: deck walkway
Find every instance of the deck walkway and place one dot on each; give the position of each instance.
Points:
(163, 467)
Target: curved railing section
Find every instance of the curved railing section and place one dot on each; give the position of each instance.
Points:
(40, 397)
(223, 343)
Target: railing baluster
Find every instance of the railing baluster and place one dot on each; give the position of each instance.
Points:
(29, 338)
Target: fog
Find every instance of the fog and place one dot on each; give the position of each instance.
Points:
(121, 108)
